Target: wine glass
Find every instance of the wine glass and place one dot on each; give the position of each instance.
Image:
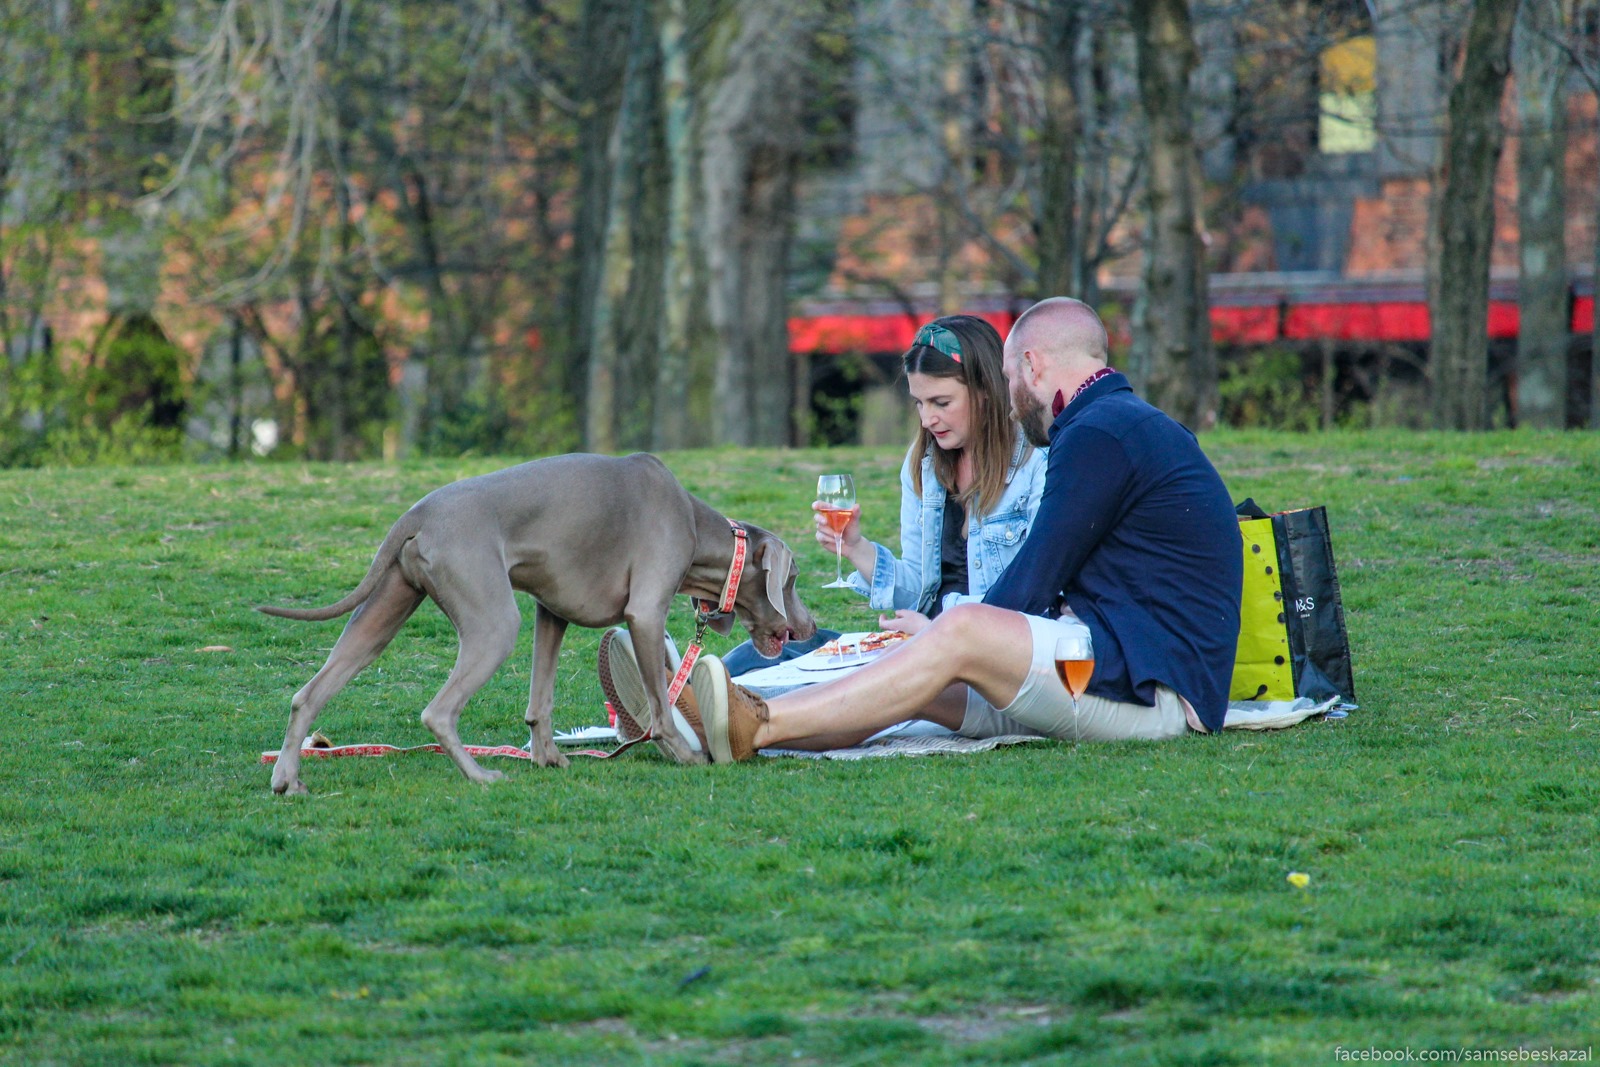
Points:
(837, 495)
(1074, 656)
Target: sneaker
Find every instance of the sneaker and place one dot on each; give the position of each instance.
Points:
(732, 714)
(686, 716)
(623, 685)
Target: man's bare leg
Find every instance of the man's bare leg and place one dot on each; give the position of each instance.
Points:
(988, 649)
(947, 709)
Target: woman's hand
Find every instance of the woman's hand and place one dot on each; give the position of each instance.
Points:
(841, 543)
(907, 622)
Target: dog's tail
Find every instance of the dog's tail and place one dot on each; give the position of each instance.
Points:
(401, 532)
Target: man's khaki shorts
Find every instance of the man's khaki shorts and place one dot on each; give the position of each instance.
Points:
(1043, 707)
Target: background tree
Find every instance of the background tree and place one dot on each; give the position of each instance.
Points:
(1090, 156)
(685, 330)
(377, 181)
(1060, 245)
(1173, 361)
(1541, 60)
(1464, 220)
(620, 228)
(1027, 158)
(36, 85)
(1585, 52)
(751, 152)
(85, 90)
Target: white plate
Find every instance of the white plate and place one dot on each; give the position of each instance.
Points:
(815, 661)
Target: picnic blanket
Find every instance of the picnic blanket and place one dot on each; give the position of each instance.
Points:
(1242, 714)
(929, 739)
(915, 738)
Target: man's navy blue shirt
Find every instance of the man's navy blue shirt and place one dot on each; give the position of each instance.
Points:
(1136, 526)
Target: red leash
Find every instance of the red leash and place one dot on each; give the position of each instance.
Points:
(511, 751)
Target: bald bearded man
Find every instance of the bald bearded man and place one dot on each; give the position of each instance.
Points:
(1135, 540)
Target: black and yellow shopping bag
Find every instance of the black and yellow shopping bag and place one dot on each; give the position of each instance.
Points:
(1292, 637)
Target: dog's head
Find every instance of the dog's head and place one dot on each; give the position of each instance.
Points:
(767, 605)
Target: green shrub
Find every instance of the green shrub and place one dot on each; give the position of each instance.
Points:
(1266, 389)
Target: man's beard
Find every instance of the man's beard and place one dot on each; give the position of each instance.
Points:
(1031, 416)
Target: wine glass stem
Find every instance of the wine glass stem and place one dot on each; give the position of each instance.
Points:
(838, 565)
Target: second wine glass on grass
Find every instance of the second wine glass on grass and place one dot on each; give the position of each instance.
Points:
(1074, 655)
(837, 495)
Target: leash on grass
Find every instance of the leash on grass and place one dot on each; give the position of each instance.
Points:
(705, 613)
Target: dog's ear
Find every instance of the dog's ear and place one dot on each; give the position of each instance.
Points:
(777, 561)
(722, 624)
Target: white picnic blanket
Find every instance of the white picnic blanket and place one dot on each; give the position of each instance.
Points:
(915, 738)
(1280, 714)
(919, 738)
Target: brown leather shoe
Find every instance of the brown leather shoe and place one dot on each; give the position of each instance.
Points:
(623, 686)
(732, 714)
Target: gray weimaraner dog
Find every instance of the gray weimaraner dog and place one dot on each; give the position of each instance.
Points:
(595, 540)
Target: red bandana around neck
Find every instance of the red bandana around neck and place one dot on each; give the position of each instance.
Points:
(1059, 405)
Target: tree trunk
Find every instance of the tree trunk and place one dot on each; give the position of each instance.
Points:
(685, 328)
(1594, 331)
(1175, 326)
(1098, 207)
(137, 84)
(1060, 242)
(955, 19)
(1542, 63)
(671, 416)
(1464, 221)
(749, 139)
(619, 272)
(604, 38)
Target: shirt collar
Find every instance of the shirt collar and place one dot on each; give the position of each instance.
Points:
(1113, 382)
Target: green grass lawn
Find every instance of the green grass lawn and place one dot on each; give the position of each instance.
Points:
(1119, 904)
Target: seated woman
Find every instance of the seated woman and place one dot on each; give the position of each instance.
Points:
(969, 485)
(969, 488)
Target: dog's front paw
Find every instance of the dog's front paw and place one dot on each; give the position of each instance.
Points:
(678, 750)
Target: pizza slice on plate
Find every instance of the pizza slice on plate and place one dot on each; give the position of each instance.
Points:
(851, 644)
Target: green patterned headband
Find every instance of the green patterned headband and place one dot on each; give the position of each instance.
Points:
(939, 337)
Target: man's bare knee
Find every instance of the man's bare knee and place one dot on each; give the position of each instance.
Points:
(970, 632)
(986, 647)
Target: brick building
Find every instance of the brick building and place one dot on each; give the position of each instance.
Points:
(1319, 150)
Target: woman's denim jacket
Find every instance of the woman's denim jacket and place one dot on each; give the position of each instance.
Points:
(992, 539)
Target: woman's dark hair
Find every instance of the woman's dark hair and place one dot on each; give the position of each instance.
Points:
(993, 434)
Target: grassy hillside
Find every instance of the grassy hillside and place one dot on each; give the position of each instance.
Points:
(1118, 904)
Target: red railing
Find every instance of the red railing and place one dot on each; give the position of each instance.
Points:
(1241, 314)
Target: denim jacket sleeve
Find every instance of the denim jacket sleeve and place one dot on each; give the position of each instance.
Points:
(900, 582)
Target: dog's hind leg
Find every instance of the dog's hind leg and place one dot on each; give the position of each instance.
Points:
(365, 636)
(481, 605)
(548, 629)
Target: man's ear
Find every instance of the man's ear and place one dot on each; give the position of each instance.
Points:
(1032, 366)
